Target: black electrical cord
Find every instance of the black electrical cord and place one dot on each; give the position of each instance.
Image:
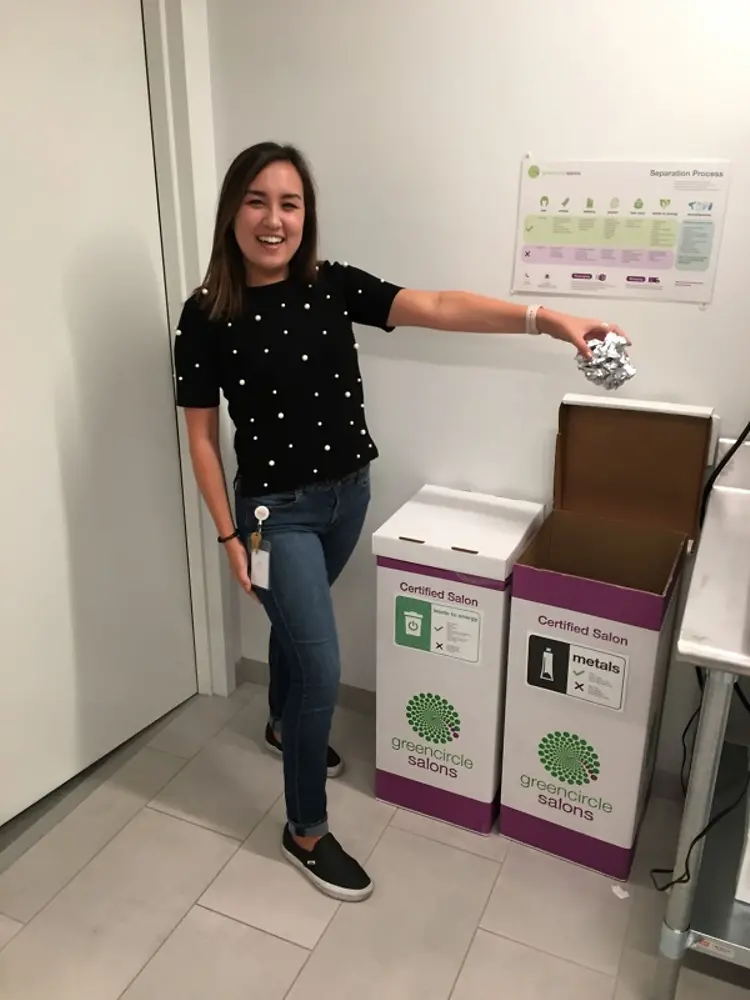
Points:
(720, 468)
(685, 731)
(686, 876)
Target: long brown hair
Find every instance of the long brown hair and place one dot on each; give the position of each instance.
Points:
(222, 291)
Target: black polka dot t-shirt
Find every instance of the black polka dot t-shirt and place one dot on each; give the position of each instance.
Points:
(290, 373)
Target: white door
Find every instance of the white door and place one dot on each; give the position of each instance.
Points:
(96, 637)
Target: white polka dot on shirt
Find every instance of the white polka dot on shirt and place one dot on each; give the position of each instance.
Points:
(327, 447)
(281, 416)
(325, 333)
(304, 357)
(320, 423)
(336, 375)
(229, 322)
(359, 291)
(363, 431)
(197, 365)
(348, 395)
(328, 296)
(234, 351)
(271, 462)
(242, 381)
(257, 318)
(307, 305)
(266, 350)
(286, 332)
(356, 346)
(177, 333)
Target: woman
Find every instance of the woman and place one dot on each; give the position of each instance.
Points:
(271, 327)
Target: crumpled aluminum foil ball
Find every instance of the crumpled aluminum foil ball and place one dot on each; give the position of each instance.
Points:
(610, 366)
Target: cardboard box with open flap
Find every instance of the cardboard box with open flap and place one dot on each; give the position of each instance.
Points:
(628, 481)
(591, 627)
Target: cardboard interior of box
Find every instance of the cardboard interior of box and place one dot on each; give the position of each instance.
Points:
(627, 495)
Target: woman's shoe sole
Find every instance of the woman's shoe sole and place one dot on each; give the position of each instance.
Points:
(333, 772)
(334, 891)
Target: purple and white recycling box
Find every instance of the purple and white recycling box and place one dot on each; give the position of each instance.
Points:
(591, 627)
(444, 560)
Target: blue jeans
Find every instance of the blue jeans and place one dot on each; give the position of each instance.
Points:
(312, 532)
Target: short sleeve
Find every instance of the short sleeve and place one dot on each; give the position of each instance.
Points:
(369, 299)
(196, 359)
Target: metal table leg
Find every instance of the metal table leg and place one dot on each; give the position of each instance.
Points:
(709, 741)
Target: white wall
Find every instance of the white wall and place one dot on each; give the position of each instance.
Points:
(416, 116)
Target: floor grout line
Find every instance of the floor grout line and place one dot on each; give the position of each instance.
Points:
(549, 954)
(476, 931)
(202, 826)
(153, 955)
(456, 847)
(252, 927)
(95, 855)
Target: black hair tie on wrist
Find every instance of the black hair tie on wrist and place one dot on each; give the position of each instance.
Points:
(235, 534)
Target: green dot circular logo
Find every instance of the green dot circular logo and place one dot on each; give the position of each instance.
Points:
(569, 758)
(534, 172)
(433, 718)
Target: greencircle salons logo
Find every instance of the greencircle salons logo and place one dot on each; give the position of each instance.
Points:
(534, 171)
(433, 718)
(569, 758)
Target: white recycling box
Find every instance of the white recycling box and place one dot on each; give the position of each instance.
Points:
(591, 627)
(443, 561)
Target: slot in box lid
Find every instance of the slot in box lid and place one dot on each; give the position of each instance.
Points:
(458, 531)
(628, 460)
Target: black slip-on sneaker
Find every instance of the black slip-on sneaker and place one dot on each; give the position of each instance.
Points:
(335, 764)
(329, 868)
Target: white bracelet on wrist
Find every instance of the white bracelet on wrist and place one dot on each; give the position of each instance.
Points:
(531, 323)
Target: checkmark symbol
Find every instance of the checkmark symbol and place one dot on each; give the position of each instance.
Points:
(439, 628)
(578, 673)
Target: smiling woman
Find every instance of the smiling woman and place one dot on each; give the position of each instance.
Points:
(266, 226)
(272, 328)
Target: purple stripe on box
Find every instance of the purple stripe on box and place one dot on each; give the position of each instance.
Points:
(568, 844)
(441, 574)
(447, 806)
(589, 597)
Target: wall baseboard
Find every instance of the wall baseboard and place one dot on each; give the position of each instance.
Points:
(665, 784)
(356, 699)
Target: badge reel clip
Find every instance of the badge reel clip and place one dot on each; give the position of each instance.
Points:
(260, 552)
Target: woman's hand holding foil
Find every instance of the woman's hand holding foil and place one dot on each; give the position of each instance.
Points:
(576, 331)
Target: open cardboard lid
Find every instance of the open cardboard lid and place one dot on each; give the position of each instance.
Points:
(633, 461)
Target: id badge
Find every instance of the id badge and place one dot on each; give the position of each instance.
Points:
(260, 565)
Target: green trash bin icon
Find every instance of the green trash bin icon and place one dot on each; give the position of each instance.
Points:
(413, 623)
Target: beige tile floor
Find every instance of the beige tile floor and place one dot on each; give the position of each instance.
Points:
(166, 883)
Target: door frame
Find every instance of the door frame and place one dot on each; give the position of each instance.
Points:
(177, 57)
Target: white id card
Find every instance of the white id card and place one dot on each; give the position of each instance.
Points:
(260, 566)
